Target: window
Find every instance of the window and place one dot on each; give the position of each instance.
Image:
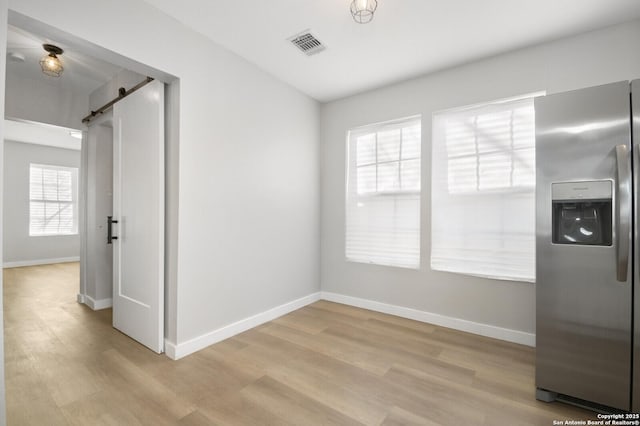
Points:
(483, 190)
(53, 195)
(383, 194)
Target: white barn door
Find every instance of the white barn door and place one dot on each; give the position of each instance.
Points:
(138, 215)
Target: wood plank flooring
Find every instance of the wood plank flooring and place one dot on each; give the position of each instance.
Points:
(325, 364)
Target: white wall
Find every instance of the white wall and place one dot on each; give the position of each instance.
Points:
(99, 205)
(18, 247)
(248, 217)
(45, 102)
(586, 60)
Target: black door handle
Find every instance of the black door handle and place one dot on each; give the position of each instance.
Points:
(110, 236)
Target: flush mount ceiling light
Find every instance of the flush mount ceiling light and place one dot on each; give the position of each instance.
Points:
(363, 10)
(50, 63)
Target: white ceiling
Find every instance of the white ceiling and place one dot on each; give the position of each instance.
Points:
(406, 37)
(40, 134)
(81, 72)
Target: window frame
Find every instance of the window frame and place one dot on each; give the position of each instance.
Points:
(73, 203)
(478, 193)
(367, 130)
(352, 167)
(478, 154)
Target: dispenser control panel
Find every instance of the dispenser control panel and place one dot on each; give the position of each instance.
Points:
(582, 213)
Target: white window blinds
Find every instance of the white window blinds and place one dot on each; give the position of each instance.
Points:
(383, 194)
(483, 191)
(53, 195)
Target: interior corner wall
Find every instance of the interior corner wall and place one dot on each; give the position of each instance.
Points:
(248, 214)
(594, 58)
(19, 248)
(44, 102)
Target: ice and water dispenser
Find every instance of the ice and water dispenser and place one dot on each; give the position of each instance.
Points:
(582, 213)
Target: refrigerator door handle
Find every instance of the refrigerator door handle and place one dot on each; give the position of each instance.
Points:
(623, 206)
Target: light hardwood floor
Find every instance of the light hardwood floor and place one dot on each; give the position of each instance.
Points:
(323, 364)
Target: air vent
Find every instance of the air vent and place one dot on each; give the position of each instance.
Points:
(307, 43)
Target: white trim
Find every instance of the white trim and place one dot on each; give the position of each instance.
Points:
(170, 349)
(96, 305)
(80, 298)
(82, 213)
(384, 125)
(493, 102)
(180, 350)
(487, 330)
(20, 263)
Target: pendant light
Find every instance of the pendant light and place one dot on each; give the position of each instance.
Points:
(50, 63)
(363, 10)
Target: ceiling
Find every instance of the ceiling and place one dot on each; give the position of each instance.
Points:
(81, 72)
(40, 134)
(406, 38)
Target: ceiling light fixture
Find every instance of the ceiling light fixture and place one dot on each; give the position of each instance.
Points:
(363, 10)
(50, 63)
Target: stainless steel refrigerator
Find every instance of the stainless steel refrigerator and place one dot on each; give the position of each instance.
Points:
(587, 248)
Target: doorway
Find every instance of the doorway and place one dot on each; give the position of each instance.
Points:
(59, 101)
(41, 198)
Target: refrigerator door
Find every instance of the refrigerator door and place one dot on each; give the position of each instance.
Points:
(583, 238)
(635, 108)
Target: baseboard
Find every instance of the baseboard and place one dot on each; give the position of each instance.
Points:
(170, 349)
(80, 298)
(487, 330)
(35, 262)
(180, 350)
(96, 305)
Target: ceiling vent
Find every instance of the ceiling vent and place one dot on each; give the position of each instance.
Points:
(307, 43)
